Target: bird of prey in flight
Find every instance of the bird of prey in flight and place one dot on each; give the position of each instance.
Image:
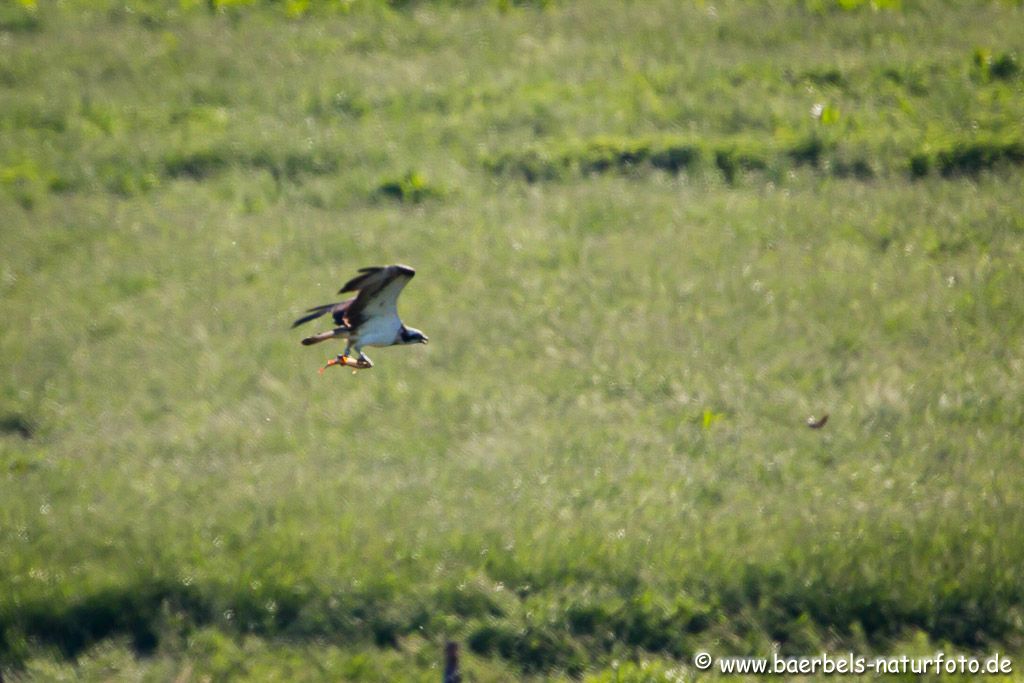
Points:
(368, 319)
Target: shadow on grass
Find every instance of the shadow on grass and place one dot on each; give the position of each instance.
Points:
(592, 624)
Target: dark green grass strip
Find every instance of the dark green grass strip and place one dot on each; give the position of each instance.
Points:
(600, 155)
(968, 158)
(734, 157)
(673, 155)
(130, 177)
(290, 165)
(593, 621)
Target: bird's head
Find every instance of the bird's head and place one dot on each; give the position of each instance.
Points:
(410, 335)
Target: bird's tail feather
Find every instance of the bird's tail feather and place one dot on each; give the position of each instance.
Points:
(323, 336)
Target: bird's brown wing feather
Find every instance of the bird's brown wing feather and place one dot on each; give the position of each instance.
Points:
(378, 287)
(340, 311)
(378, 294)
(337, 311)
(367, 276)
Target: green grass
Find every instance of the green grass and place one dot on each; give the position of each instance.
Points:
(652, 238)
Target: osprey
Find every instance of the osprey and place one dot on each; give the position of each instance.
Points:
(368, 319)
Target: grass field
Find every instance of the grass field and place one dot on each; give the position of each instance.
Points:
(652, 238)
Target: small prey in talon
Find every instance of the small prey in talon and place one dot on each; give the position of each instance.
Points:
(355, 363)
(368, 319)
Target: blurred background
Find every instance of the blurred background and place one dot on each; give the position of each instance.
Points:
(652, 238)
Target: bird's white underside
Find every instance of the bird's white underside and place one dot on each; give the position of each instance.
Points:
(377, 331)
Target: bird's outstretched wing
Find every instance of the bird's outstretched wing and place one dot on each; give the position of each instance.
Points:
(379, 288)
